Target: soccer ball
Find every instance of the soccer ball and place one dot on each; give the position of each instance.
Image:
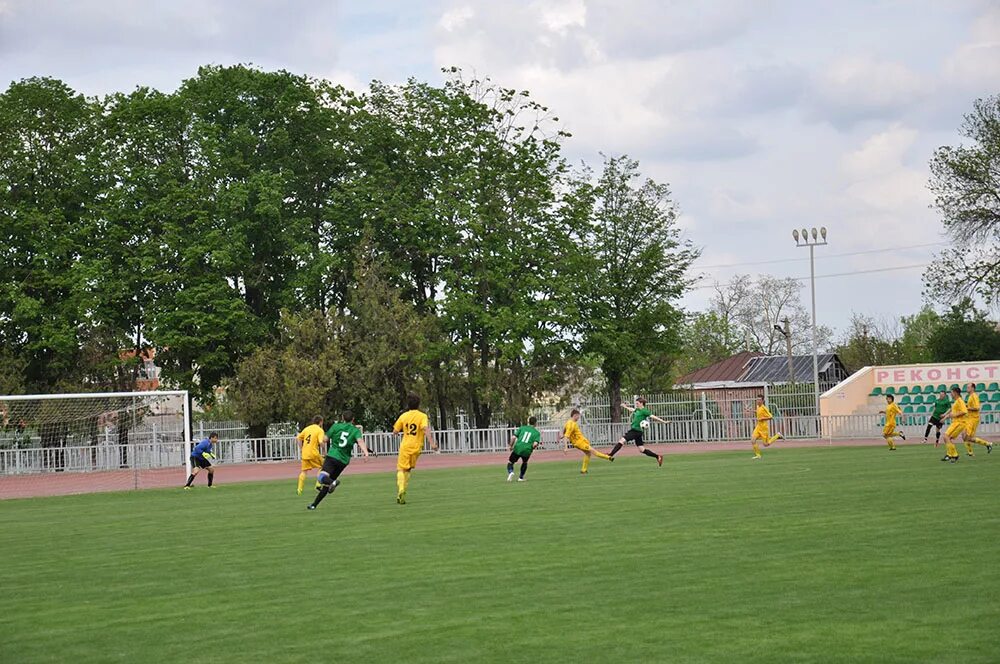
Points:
(645, 423)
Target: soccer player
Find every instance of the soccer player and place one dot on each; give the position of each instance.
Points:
(573, 436)
(889, 431)
(415, 428)
(762, 431)
(524, 441)
(941, 407)
(310, 439)
(639, 416)
(343, 436)
(972, 422)
(201, 455)
(957, 428)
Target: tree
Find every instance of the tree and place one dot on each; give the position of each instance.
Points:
(965, 181)
(706, 338)
(47, 186)
(869, 341)
(632, 271)
(917, 332)
(964, 335)
(754, 307)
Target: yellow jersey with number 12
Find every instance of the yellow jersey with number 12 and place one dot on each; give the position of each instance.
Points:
(411, 424)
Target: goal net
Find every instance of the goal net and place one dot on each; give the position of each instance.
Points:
(76, 443)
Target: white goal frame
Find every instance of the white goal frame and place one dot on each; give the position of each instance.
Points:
(185, 408)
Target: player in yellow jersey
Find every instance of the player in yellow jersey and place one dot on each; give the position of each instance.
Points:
(889, 431)
(310, 439)
(957, 428)
(762, 431)
(972, 422)
(572, 436)
(415, 428)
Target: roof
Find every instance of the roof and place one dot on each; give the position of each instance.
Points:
(729, 369)
(775, 369)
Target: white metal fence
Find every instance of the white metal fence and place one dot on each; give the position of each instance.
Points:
(156, 452)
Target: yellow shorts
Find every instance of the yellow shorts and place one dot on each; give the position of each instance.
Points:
(761, 431)
(312, 462)
(955, 429)
(889, 429)
(971, 426)
(582, 445)
(408, 456)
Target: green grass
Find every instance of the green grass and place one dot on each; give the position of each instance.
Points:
(810, 555)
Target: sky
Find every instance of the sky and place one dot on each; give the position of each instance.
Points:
(761, 116)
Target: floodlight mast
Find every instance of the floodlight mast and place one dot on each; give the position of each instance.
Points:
(817, 238)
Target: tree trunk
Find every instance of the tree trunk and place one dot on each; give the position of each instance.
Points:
(615, 395)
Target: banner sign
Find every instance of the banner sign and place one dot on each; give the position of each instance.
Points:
(947, 373)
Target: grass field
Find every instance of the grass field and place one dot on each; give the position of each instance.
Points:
(811, 555)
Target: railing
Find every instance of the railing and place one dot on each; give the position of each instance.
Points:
(158, 453)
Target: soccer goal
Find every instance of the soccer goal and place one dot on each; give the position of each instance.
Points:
(75, 443)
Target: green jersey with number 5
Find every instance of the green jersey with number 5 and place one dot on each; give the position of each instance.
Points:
(526, 437)
(343, 436)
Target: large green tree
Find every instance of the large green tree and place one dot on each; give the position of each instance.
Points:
(964, 335)
(632, 272)
(49, 179)
(965, 181)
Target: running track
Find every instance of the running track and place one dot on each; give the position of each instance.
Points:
(60, 484)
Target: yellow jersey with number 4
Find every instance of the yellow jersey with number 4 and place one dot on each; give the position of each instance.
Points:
(411, 424)
(311, 437)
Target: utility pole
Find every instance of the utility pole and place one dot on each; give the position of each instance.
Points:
(786, 331)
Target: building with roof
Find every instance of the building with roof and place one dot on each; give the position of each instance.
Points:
(748, 369)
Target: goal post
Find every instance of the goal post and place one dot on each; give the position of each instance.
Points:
(95, 440)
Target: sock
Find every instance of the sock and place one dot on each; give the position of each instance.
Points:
(756, 448)
(888, 441)
(773, 438)
(968, 447)
(650, 453)
(211, 476)
(950, 449)
(302, 481)
(400, 481)
(937, 439)
(510, 468)
(321, 495)
(190, 479)
(927, 431)
(614, 450)
(524, 468)
(586, 463)
(980, 441)
(601, 455)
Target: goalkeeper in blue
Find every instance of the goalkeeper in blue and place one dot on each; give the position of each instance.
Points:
(201, 457)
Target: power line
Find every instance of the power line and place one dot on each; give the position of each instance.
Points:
(799, 260)
(828, 276)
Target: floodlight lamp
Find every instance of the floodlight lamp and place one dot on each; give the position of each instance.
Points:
(815, 234)
(795, 234)
(822, 232)
(805, 235)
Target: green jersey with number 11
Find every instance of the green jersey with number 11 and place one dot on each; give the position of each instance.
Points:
(343, 436)
(526, 437)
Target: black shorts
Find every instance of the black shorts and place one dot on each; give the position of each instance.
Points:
(201, 462)
(634, 435)
(514, 456)
(935, 421)
(333, 467)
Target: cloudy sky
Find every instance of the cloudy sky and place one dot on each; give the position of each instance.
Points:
(762, 116)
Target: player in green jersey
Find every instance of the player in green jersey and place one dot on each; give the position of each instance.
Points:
(941, 406)
(343, 435)
(640, 420)
(524, 441)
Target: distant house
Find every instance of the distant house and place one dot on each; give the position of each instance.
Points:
(747, 369)
(148, 378)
